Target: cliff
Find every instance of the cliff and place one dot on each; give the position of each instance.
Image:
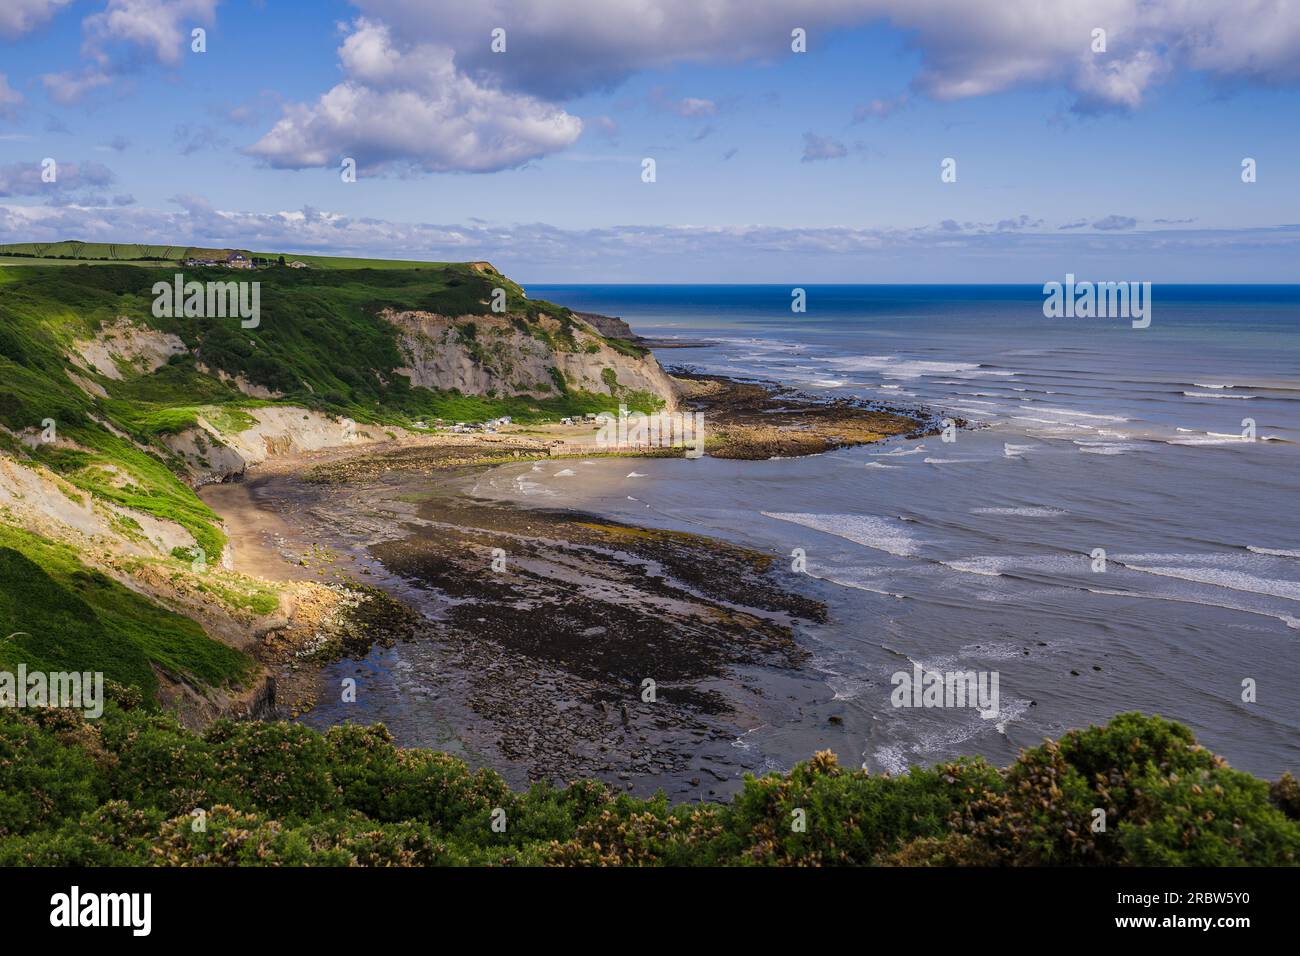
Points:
(507, 355)
(113, 411)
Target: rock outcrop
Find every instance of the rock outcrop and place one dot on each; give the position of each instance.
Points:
(508, 355)
(609, 326)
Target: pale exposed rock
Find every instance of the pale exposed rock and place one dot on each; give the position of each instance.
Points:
(93, 389)
(36, 499)
(504, 359)
(128, 342)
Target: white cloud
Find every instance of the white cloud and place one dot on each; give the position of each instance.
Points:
(410, 106)
(69, 88)
(158, 28)
(560, 48)
(19, 16)
(1019, 249)
(125, 35)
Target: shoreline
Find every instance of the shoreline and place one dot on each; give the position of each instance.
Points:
(538, 671)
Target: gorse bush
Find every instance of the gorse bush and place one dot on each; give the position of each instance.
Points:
(122, 790)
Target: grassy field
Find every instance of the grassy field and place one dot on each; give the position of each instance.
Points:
(70, 252)
(344, 262)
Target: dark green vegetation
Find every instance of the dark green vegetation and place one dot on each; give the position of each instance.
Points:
(60, 615)
(122, 790)
(320, 344)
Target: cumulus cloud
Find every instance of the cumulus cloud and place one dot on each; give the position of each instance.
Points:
(816, 148)
(19, 16)
(409, 105)
(562, 48)
(126, 35)
(157, 29)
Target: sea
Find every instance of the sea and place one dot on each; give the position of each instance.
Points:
(1116, 526)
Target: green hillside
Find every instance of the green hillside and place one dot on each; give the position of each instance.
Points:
(71, 251)
(60, 615)
(319, 343)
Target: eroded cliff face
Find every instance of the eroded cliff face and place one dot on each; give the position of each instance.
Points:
(509, 355)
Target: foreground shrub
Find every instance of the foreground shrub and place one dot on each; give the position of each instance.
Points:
(121, 791)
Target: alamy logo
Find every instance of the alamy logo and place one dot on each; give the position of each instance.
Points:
(661, 430)
(80, 691)
(922, 688)
(209, 300)
(1100, 300)
(103, 909)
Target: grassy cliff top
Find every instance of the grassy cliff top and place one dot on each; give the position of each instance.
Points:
(321, 343)
(74, 252)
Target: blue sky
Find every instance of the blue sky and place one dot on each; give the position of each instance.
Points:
(770, 165)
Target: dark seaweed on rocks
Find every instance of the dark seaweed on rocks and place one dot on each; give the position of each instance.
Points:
(556, 647)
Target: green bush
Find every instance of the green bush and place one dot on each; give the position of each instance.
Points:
(122, 790)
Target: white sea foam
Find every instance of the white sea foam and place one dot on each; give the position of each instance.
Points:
(898, 452)
(1227, 578)
(1024, 512)
(635, 474)
(1213, 395)
(1277, 552)
(1207, 439)
(1071, 413)
(871, 531)
(529, 488)
(565, 473)
(1107, 447)
(986, 566)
